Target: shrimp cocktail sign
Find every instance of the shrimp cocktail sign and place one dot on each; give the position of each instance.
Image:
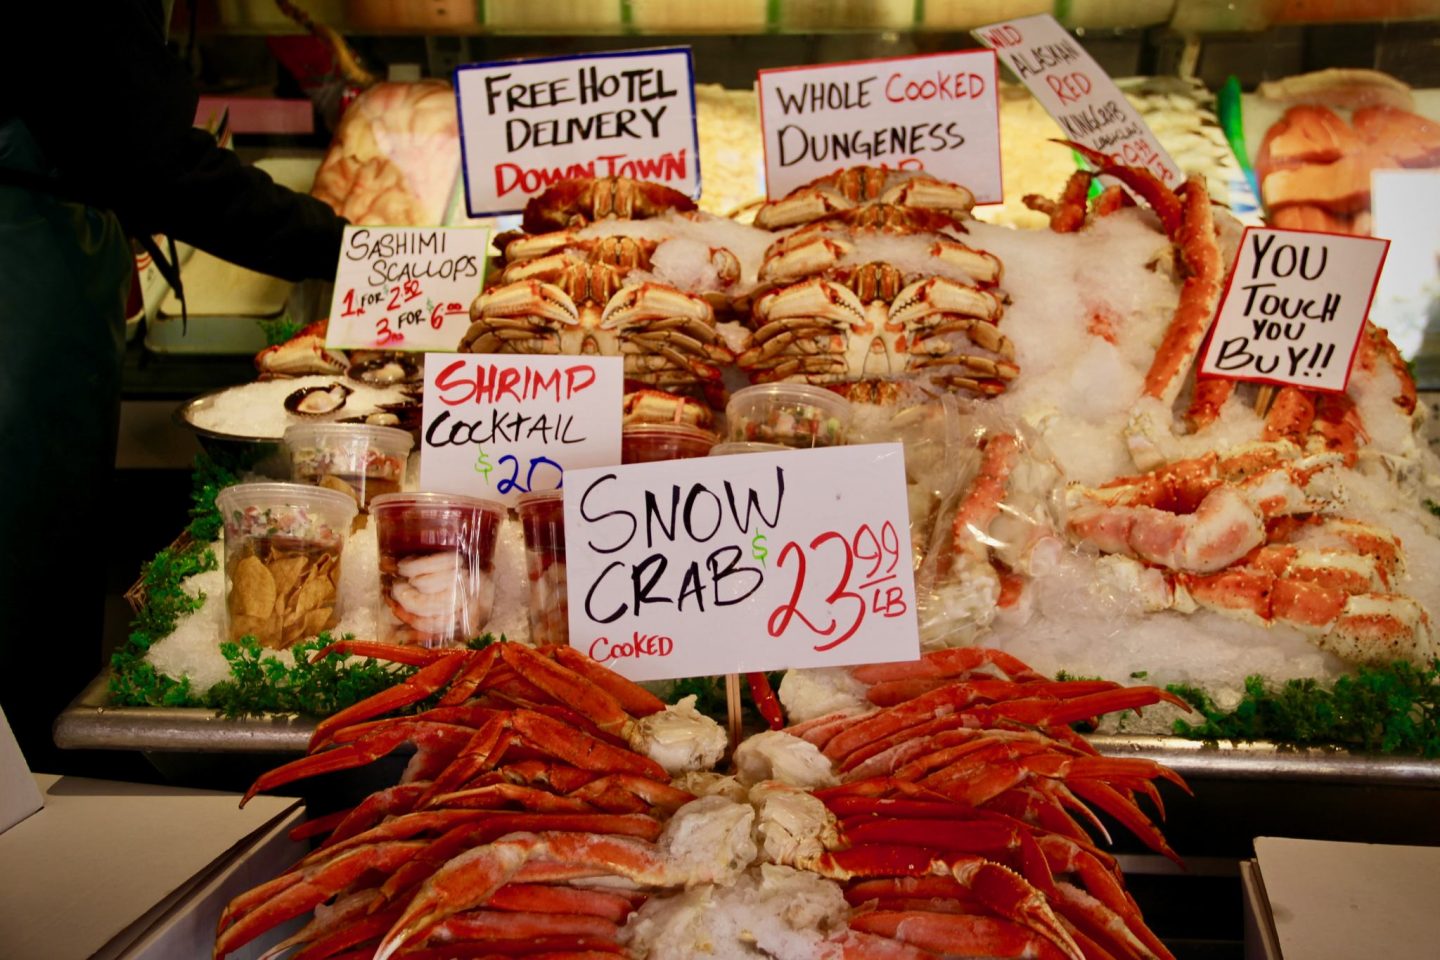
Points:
(499, 425)
(406, 288)
(1295, 308)
(1074, 90)
(742, 563)
(939, 113)
(525, 125)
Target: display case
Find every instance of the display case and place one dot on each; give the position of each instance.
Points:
(1213, 79)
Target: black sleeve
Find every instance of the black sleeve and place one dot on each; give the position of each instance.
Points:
(116, 121)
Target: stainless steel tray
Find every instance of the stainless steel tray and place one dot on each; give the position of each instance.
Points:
(89, 723)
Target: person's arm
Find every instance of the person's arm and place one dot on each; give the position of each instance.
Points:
(116, 120)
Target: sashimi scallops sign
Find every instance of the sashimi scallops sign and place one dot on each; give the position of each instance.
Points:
(525, 125)
(406, 288)
(742, 563)
(939, 113)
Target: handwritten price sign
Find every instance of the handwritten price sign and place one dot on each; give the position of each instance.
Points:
(406, 288)
(499, 425)
(528, 124)
(744, 563)
(1295, 308)
(1074, 90)
(938, 113)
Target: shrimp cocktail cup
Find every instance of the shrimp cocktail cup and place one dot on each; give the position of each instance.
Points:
(437, 555)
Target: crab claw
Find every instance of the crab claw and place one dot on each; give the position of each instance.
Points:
(1151, 189)
(985, 268)
(639, 302)
(819, 298)
(942, 295)
(527, 298)
(806, 259)
(928, 193)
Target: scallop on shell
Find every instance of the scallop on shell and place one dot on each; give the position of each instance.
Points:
(318, 401)
(385, 369)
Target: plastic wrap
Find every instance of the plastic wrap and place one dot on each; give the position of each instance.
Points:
(995, 523)
(395, 156)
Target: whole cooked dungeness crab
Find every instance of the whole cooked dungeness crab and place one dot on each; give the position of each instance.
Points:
(666, 337)
(878, 285)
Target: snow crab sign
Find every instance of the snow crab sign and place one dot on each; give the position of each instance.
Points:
(939, 113)
(406, 288)
(1295, 308)
(525, 125)
(498, 426)
(1074, 90)
(743, 563)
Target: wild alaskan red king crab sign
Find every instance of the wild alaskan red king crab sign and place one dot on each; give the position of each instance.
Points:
(525, 125)
(1077, 92)
(742, 563)
(500, 425)
(939, 113)
(406, 288)
(1295, 308)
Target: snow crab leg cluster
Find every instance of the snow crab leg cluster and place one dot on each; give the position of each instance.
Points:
(535, 819)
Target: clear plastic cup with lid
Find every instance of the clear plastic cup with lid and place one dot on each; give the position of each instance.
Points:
(283, 546)
(791, 414)
(360, 460)
(542, 519)
(437, 559)
(652, 442)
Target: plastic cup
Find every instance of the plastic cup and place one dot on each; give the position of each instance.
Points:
(742, 446)
(437, 554)
(542, 519)
(283, 543)
(791, 414)
(649, 442)
(356, 459)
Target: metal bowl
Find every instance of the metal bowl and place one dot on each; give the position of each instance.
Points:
(264, 455)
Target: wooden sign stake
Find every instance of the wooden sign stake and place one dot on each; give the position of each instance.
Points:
(732, 708)
(1263, 398)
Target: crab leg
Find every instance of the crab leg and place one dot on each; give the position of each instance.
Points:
(949, 933)
(469, 836)
(1000, 889)
(568, 687)
(951, 662)
(468, 880)
(413, 689)
(633, 698)
(291, 894)
(440, 739)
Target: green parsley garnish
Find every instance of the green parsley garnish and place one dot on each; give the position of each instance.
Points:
(1389, 709)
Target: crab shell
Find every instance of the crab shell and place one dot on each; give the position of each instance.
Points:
(862, 186)
(577, 202)
(666, 337)
(873, 322)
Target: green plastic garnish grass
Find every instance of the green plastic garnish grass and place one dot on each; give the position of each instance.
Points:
(1390, 709)
(279, 330)
(260, 682)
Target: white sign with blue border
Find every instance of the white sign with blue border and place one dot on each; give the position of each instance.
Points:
(525, 125)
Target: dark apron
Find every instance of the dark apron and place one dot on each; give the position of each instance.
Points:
(64, 275)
